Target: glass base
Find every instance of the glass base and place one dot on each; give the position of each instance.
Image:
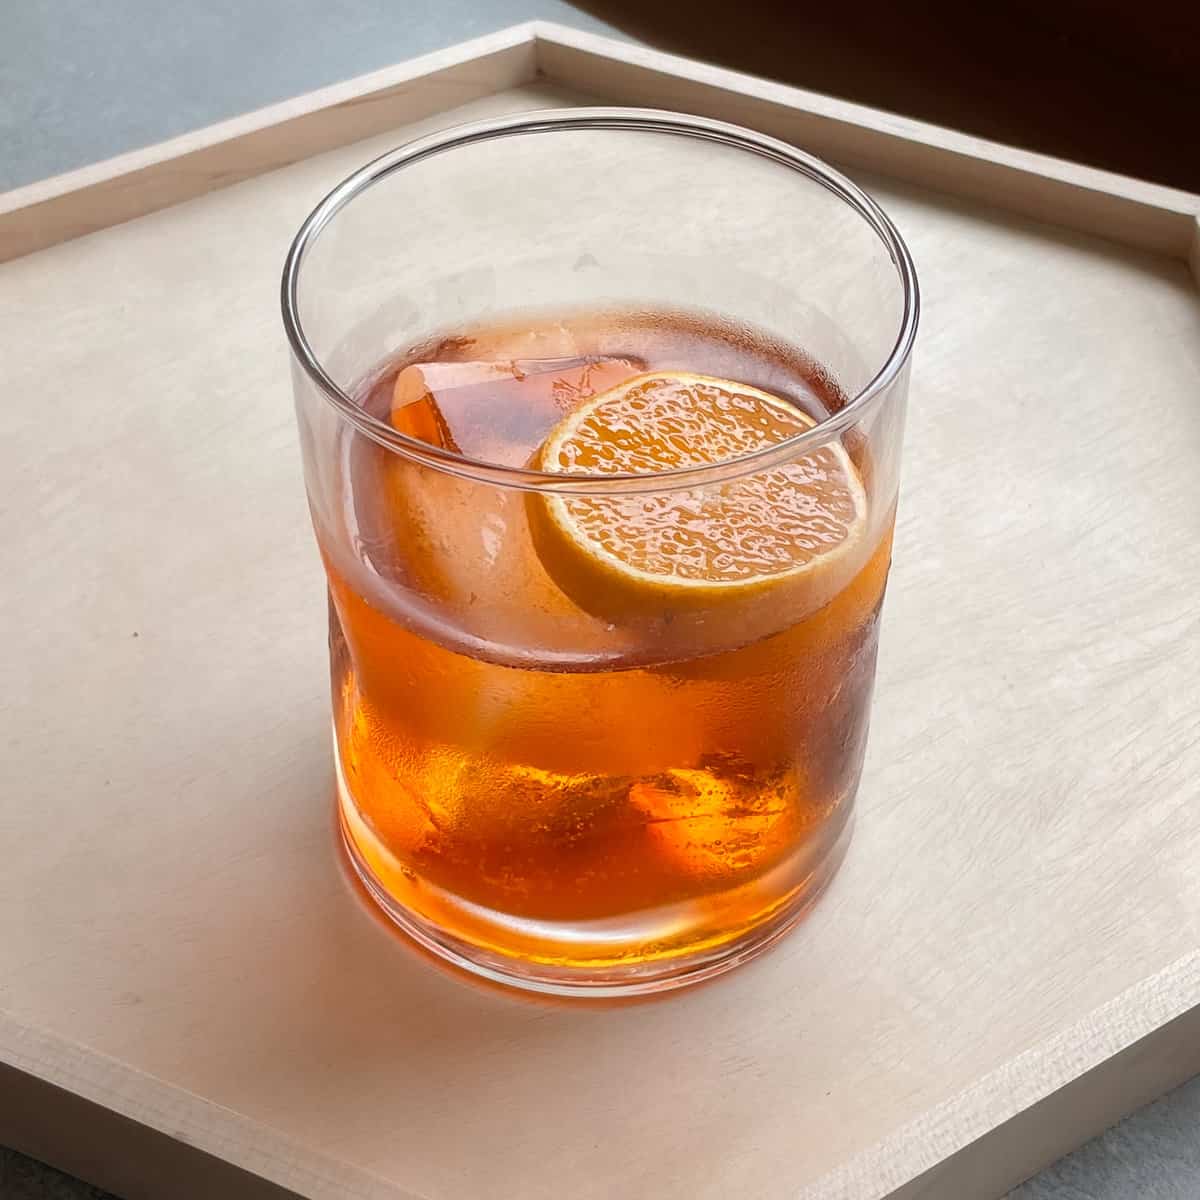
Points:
(583, 973)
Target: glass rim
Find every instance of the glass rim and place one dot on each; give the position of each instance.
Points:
(599, 118)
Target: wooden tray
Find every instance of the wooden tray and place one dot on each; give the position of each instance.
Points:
(195, 1002)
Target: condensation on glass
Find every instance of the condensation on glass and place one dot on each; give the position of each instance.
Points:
(554, 782)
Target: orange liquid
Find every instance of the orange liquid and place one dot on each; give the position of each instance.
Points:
(528, 782)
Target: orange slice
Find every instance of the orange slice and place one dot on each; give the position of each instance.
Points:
(793, 534)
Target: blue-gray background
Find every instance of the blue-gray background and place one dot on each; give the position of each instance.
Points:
(80, 81)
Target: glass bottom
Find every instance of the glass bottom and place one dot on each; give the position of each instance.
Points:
(631, 956)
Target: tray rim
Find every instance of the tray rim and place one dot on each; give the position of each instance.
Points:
(1007, 1124)
(1121, 208)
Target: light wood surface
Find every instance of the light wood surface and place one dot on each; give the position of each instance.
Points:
(1009, 958)
(1048, 189)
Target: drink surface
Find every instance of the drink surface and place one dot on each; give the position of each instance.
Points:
(570, 766)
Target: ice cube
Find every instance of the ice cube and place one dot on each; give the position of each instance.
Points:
(499, 411)
(722, 817)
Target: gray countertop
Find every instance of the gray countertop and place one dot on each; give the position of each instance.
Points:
(81, 81)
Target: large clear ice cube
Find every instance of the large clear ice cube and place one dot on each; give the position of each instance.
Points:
(499, 412)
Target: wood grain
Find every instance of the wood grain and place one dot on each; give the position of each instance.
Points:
(1129, 1053)
(1008, 959)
